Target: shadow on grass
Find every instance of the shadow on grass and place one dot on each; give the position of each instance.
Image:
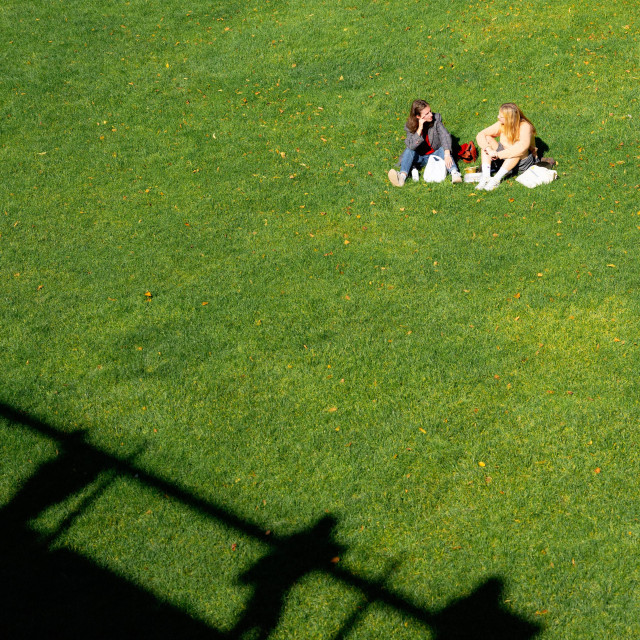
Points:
(542, 146)
(48, 591)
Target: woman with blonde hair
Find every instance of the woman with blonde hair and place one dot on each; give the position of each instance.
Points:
(516, 150)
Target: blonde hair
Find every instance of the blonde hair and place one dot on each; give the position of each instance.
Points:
(513, 116)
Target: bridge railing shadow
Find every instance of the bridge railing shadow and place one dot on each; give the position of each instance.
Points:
(49, 591)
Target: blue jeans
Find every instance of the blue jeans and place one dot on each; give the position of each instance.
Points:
(410, 159)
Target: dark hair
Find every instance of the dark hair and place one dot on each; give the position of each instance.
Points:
(416, 108)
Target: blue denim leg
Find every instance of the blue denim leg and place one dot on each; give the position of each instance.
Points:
(410, 159)
(407, 160)
(440, 153)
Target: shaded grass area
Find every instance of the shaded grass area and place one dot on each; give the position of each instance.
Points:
(49, 588)
(316, 340)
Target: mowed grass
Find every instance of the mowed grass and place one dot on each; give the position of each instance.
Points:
(450, 374)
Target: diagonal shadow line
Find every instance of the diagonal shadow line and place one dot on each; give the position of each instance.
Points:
(373, 589)
(85, 503)
(445, 622)
(124, 466)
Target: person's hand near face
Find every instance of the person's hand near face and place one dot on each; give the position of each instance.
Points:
(424, 117)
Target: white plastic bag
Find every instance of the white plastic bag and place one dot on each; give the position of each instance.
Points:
(535, 176)
(436, 169)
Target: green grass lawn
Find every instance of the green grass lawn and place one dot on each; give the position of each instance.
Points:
(208, 279)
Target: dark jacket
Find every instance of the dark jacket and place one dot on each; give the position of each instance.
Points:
(438, 137)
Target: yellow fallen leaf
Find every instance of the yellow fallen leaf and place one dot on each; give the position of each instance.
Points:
(481, 464)
(332, 409)
(423, 431)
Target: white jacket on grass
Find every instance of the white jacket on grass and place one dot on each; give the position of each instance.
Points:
(535, 176)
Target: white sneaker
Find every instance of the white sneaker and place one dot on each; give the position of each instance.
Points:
(415, 176)
(492, 183)
(456, 177)
(482, 184)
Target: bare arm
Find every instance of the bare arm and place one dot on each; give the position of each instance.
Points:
(490, 132)
(520, 148)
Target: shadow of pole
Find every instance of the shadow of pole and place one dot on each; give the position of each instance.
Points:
(57, 593)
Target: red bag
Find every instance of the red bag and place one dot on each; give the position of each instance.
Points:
(468, 152)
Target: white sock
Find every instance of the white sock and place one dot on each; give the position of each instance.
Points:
(486, 170)
(501, 173)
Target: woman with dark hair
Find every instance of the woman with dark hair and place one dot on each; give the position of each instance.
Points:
(515, 152)
(426, 136)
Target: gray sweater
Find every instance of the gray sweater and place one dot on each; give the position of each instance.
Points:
(438, 137)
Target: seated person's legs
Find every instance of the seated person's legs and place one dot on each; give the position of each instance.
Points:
(487, 182)
(492, 143)
(407, 160)
(440, 153)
